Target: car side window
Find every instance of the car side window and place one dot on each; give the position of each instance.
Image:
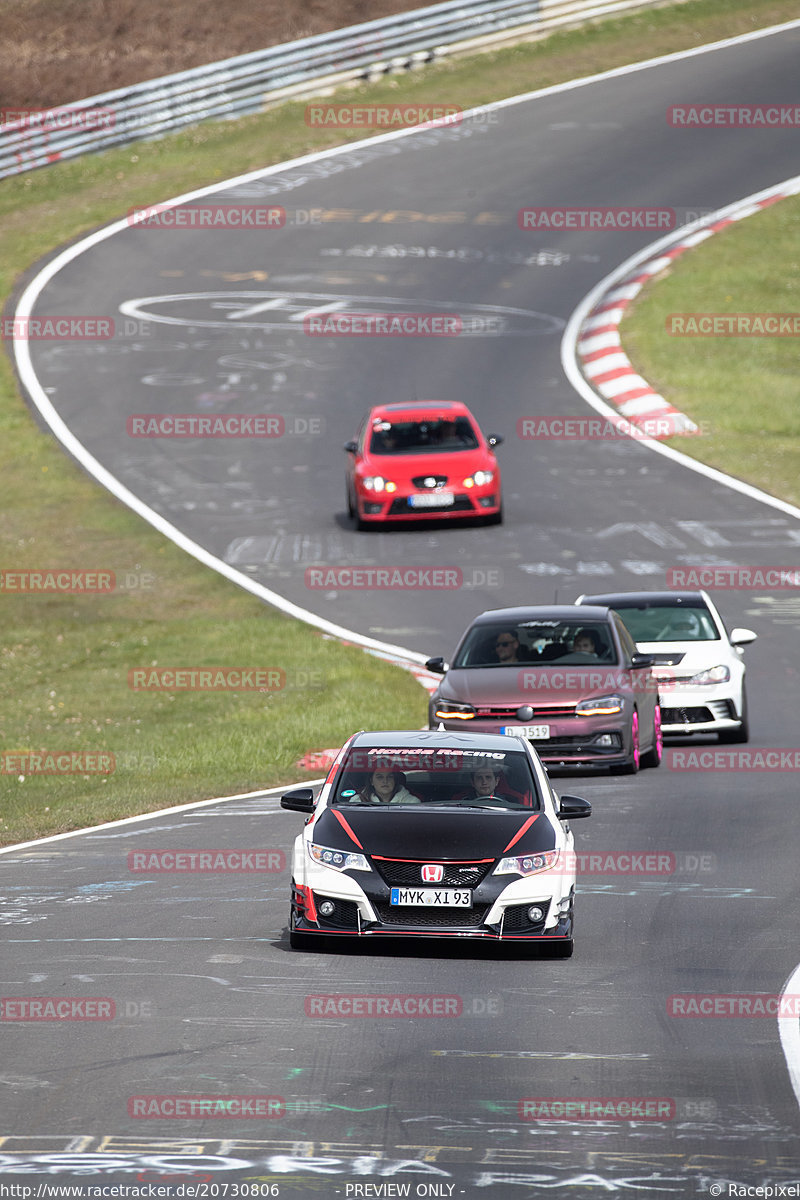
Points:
(627, 642)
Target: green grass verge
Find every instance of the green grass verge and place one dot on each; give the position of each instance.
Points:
(742, 391)
(64, 665)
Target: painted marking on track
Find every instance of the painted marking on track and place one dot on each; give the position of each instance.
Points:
(560, 1055)
(267, 306)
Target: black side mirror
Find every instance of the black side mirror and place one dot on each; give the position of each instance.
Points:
(437, 665)
(350, 447)
(495, 440)
(572, 807)
(299, 800)
(642, 660)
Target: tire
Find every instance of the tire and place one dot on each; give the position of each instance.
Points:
(653, 756)
(634, 762)
(352, 512)
(742, 734)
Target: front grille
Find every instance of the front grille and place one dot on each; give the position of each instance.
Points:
(587, 741)
(515, 920)
(462, 918)
(508, 712)
(345, 915)
(407, 874)
(686, 716)
(420, 482)
(401, 508)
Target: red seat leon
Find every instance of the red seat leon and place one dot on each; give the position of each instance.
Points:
(422, 459)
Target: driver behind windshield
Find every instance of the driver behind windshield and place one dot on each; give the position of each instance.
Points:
(586, 642)
(506, 646)
(484, 781)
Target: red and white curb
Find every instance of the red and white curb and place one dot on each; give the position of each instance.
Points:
(604, 363)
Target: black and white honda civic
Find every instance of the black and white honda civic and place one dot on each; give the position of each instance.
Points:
(435, 834)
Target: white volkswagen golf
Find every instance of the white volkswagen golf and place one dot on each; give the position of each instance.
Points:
(697, 663)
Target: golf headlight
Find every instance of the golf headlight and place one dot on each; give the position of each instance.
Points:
(527, 864)
(604, 706)
(712, 675)
(338, 860)
(449, 709)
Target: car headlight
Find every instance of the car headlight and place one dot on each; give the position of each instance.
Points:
(450, 709)
(478, 479)
(337, 860)
(719, 674)
(376, 483)
(603, 706)
(527, 864)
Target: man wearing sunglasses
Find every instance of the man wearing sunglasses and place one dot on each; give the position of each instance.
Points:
(506, 646)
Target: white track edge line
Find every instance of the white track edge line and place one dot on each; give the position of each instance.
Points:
(160, 812)
(789, 1030)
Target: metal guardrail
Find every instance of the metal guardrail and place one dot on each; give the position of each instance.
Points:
(251, 83)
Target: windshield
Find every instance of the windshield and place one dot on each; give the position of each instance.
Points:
(437, 435)
(390, 777)
(543, 643)
(668, 622)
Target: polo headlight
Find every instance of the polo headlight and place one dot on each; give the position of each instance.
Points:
(337, 860)
(449, 710)
(603, 706)
(528, 864)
